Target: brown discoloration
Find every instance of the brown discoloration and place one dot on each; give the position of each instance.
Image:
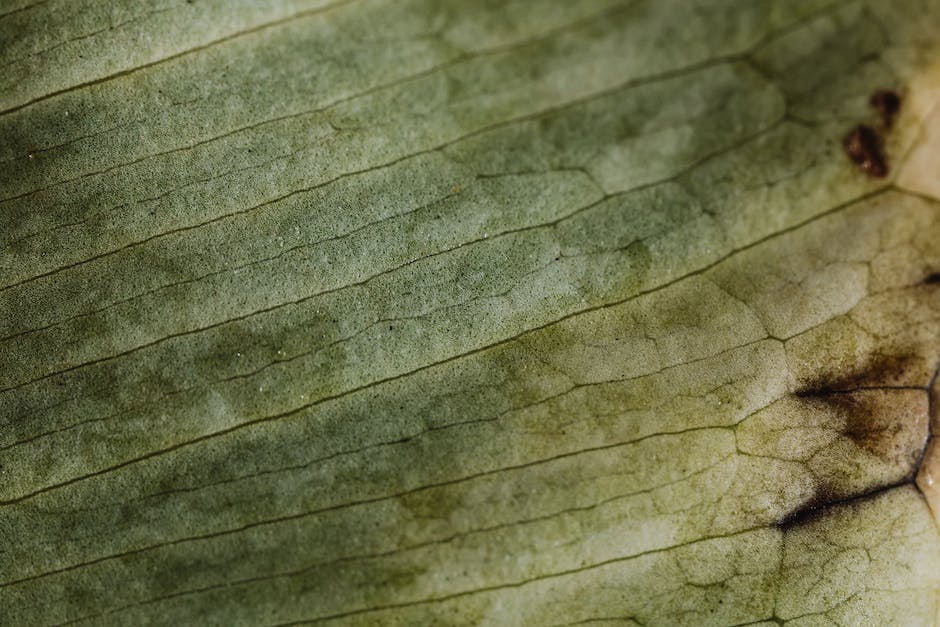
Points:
(863, 147)
(869, 419)
(816, 507)
(932, 279)
(877, 371)
(887, 102)
(870, 407)
(824, 501)
(860, 398)
(885, 426)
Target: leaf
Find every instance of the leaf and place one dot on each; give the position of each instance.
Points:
(493, 312)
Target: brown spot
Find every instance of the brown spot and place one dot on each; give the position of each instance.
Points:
(874, 406)
(885, 425)
(823, 502)
(932, 279)
(814, 508)
(863, 146)
(887, 103)
(878, 370)
(868, 419)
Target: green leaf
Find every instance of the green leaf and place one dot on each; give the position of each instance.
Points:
(523, 312)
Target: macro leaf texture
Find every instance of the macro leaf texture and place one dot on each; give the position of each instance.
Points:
(521, 312)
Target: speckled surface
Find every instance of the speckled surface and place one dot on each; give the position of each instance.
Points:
(414, 312)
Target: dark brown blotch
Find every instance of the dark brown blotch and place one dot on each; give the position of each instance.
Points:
(857, 397)
(814, 508)
(863, 147)
(860, 401)
(824, 501)
(866, 419)
(932, 279)
(887, 103)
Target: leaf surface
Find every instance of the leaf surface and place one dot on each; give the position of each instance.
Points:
(518, 312)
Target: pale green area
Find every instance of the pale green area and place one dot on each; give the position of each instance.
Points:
(411, 312)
